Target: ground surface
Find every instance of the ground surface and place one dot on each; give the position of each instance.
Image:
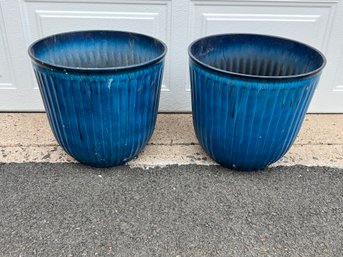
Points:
(27, 137)
(72, 210)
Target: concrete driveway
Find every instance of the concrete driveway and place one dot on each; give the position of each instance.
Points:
(26, 137)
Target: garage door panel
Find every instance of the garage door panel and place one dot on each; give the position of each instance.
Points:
(51, 22)
(6, 78)
(305, 21)
(310, 22)
(310, 28)
(44, 18)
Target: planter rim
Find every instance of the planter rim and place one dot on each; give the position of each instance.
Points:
(248, 76)
(104, 69)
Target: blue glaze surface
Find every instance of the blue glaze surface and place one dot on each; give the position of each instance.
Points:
(101, 92)
(250, 94)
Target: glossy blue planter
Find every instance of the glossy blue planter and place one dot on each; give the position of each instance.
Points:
(250, 94)
(101, 92)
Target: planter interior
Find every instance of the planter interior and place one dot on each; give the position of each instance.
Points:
(256, 55)
(97, 50)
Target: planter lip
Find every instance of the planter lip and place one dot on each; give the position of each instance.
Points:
(251, 77)
(63, 68)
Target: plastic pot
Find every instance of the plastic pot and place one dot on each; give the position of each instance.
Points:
(250, 94)
(101, 92)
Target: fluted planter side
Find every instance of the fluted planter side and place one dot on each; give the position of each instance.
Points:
(102, 120)
(247, 125)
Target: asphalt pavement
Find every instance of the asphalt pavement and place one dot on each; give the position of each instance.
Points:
(73, 210)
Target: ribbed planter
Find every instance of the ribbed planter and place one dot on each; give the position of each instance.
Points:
(250, 94)
(101, 92)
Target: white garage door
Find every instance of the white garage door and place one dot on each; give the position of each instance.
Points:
(177, 22)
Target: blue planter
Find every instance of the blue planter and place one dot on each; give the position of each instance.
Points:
(250, 94)
(101, 92)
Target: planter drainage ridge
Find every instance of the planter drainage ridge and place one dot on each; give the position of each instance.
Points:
(250, 94)
(101, 92)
